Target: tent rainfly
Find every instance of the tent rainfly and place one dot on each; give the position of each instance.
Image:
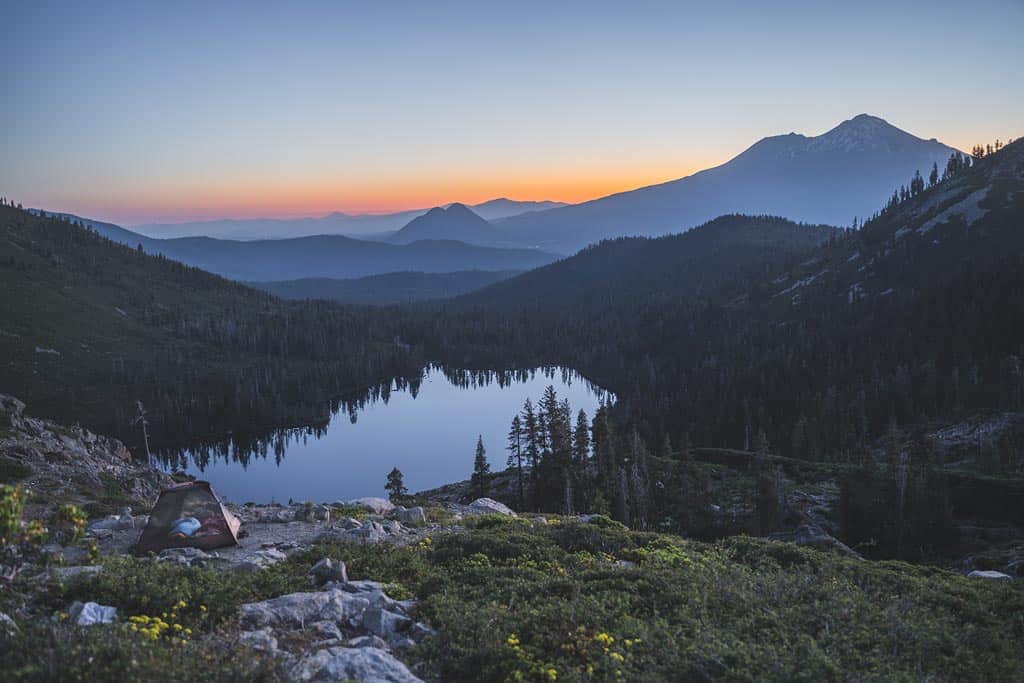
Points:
(188, 515)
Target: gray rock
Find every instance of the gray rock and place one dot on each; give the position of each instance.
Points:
(384, 623)
(419, 631)
(112, 523)
(7, 625)
(329, 570)
(369, 641)
(89, 613)
(276, 516)
(392, 527)
(184, 556)
(351, 523)
(295, 610)
(414, 515)
(71, 573)
(378, 506)
(261, 639)
(989, 575)
(366, 664)
(490, 506)
(326, 630)
(258, 559)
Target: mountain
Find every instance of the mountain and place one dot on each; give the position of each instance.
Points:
(672, 266)
(503, 208)
(457, 222)
(336, 223)
(322, 256)
(386, 289)
(831, 178)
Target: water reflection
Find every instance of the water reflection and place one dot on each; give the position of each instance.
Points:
(425, 424)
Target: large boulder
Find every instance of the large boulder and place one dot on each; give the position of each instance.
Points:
(489, 506)
(261, 639)
(295, 610)
(377, 506)
(386, 624)
(366, 664)
(414, 515)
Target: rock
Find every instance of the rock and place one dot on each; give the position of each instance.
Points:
(385, 623)
(378, 506)
(368, 641)
(7, 625)
(112, 523)
(366, 664)
(329, 570)
(258, 559)
(490, 506)
(276, 516)
(419, 631)
(89, 613)
(989, 575)
(392, 527)
(326, 630)
(183, 556)
(262, 639)
(69, 573)
(295, 610)
(414, 515)
(351, 523)
(368, 532)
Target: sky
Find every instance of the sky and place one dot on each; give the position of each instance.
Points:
(165, 112)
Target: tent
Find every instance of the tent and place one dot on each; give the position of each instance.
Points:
(188, 515)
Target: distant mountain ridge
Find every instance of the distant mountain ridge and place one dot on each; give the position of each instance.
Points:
(335, 223)
(322, 256)
(832, 178)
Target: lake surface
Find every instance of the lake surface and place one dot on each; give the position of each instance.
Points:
(426, 428)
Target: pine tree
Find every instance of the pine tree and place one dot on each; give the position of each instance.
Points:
(933, 177)
(479, 483)
(515, 455)
(395, 486)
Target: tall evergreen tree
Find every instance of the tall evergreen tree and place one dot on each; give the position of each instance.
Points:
(479, 483)
(515, 456)
(395, 486)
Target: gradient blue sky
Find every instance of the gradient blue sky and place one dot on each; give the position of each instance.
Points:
(138, 112)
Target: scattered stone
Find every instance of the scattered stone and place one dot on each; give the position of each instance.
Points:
(490, 506)
(258, 559)
(351, 523)
(989, 575)
(89, 613)
(276, 516)
(183, 556)
(378, 506)
(366, 664)
(262, 639)
(329, 570)
(113, 523)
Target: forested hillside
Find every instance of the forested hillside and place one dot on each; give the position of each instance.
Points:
(88, 327)
(387, 288)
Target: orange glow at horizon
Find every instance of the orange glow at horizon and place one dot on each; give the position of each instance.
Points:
(244, 198)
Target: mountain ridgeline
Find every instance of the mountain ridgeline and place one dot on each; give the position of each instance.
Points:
(832, 178)
(457, 222)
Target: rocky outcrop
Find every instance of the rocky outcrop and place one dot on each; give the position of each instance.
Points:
(57, 464)
(354, 625)
(365, 664)
(489, 506)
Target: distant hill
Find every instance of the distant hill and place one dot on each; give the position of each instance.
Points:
(847, 172)
(386, 289)
(336, 223)
(324, 256)
(674, 265)
(457, 222)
